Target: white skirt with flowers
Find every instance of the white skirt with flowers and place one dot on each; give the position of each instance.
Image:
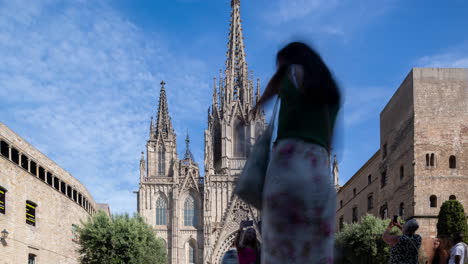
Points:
(298, 205)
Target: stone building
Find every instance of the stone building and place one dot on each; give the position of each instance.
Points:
(422, 160)
(41, 204)
(197, 216)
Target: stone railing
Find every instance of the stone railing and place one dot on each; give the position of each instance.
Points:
(236, 164)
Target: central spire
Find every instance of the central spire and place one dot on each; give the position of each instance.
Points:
(237, 85)
(163, 121)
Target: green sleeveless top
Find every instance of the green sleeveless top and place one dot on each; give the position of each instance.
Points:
(301, 119)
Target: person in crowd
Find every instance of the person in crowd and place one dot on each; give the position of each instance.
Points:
(441, 255)
(298, 210)
(405, 248)
(458, 253)
(230, 257)
(247, 244)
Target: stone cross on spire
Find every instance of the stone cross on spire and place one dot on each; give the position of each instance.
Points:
(163, 121)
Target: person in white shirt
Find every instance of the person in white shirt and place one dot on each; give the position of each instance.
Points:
(458, 251)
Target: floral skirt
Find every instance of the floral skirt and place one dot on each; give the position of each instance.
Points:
(298, 205)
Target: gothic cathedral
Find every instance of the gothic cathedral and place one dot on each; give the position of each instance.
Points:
(197, 216)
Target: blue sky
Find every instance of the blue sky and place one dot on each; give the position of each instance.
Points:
(80, 79)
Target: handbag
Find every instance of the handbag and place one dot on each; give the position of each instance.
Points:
(252, 178)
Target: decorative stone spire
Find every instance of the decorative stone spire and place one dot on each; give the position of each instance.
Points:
(152, 135)
(163, 122)
(188, 154)
(257, 94)
(335, 173)
(236, 73)
(142, 167)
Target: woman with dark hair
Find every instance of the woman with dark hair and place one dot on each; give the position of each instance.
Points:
(298, 209)
(248, 251)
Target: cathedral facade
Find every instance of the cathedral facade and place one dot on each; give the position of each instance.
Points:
(196, 216)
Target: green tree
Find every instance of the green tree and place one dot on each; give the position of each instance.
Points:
(452, 219)
(362, 242)
(119, 240)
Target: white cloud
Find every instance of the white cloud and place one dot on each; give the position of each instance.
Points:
(447, 60)
(286, 10)
(80, 84)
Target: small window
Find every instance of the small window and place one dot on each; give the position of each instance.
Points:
(24, 162)
(31, 213)
(75, 197)
(63, 187)
(56, 183)
(452, 162)
(161, 211)
(41, 173)
(384, 151)
(433, 201)
(401, 210)
(383, 179)
(189, 212)
(80, 201)
(15, 155)
(31, 259)
(369, 179)
(355, 215)
(49, 178)
(341, 225)
(432, 161)
(452, 197)
(4, 149)
(370, 201)
(402, 172)
(341, 203)
(428, 160)
(33, 168)
(2, 200)
(384, 211)
(354, 192)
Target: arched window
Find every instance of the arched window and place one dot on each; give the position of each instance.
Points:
(354, 192)
(427, 160)
(369, 179)
(161, 161)
(384, 211)
(452, 197)
(433, 201)
(402, 172)
(401, 210)
(452, 162)
(217, 147)
(189, 212)
(161, 211)
(191, 253)
(355, 214)
(341, 203)
(432, 161)
(370, 201)
(239, 139)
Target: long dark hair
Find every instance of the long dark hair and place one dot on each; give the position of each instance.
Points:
(319, 85)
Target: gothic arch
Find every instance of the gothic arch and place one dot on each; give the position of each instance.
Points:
(161, 209)
(186, 208)
(239, 138)
(191, 251)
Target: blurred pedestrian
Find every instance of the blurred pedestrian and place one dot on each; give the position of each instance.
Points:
(298, 211)
(441, 255)
(458, 253)
(247, 245)
(405, 248)
(230, 257)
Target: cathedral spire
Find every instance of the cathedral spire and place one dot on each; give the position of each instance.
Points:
(188, 154)
(163, 121)
(236, 74)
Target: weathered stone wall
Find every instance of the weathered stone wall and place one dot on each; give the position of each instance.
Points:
(441, 128)
(51, 240)
(428, 114)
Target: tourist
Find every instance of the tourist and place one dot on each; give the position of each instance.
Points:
(247, 244)
(298, 211)
(441, 255)
(458, 253)
(230, 257)
(405, 248)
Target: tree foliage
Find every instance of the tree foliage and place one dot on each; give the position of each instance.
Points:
(362, 242)
(452, 219)
(119, 240)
